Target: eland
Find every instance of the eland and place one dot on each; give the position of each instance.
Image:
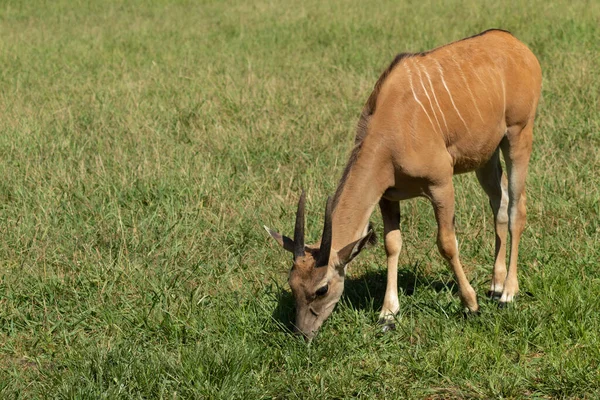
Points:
(431, 115)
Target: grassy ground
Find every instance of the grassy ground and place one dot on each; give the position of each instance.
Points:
(144, 144)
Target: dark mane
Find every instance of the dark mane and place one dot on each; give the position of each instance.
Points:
(467, 38)
(363, 122)
(370, 106)
(349, 164)
(484, 32)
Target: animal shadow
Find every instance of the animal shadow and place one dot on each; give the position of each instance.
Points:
(364, 292)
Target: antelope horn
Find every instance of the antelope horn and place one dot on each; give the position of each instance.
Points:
(299, 229)
(325, 249)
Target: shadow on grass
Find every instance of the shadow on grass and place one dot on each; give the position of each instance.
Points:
(365, 292)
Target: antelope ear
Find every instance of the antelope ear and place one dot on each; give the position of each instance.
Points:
(283, 241)
(351, 250)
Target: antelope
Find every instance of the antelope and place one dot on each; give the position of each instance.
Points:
(430, 116)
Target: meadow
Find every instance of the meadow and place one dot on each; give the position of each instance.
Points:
(144, 144)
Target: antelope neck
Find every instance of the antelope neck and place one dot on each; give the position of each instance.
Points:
(362, 185)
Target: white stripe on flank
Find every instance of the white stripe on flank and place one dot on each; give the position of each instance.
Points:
(503, 92)
(415, 95)
(468, 87)
(450, 95)
(417, 66)
(435, 98)
(484, 85)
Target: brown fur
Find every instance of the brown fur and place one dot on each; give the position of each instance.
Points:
(370, 105)
(432, 115)
(436, 114)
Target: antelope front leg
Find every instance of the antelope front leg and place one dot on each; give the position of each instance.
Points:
(390, 211)
(442, 198)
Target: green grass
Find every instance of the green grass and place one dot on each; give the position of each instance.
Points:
(144, 144)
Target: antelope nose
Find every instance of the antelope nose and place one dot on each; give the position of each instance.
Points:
(308, 336)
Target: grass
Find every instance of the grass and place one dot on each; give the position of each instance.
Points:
(144, 144)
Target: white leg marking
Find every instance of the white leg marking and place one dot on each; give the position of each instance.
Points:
(462, 74)
(393, 306)
(496, 289)
(428, 98)
(450, 95)
(415, 95)
(507, 298)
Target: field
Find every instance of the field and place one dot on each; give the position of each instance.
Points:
(144, 144)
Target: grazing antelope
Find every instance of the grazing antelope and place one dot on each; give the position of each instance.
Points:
(431, 115)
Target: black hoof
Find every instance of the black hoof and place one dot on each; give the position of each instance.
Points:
(502, 304)
(471, 314)
(494, 295)
(386, 325)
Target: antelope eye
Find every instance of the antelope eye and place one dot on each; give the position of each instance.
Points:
(322, 290)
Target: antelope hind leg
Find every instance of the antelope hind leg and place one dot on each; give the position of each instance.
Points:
(517, 150)
(494, 183)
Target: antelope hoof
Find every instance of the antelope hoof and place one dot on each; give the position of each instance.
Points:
(508, 297)
(494, 295)
(472, 308)
(496, 290)
(387, 325)
(471, 314)
(505, 304)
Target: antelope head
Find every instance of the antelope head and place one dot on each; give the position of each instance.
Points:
(318, 271)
